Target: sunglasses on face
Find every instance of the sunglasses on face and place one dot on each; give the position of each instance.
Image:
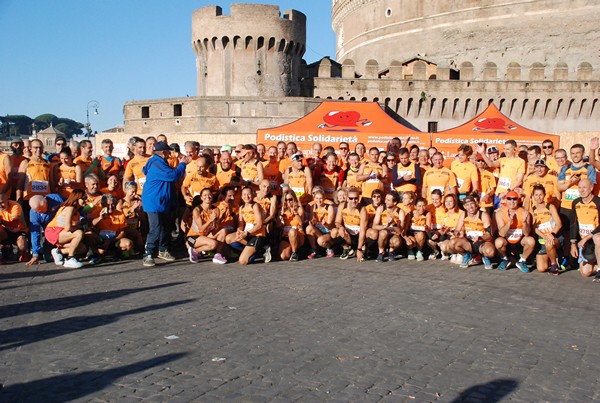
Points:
(512, 198)
(344, 148)
(548, 147)
(352, 198)
(289, 199)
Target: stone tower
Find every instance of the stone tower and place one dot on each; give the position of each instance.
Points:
(252, 52)
(485, 33)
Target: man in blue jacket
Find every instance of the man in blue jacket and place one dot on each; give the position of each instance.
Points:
(159, 198)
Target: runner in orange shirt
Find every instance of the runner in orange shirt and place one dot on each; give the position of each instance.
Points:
(67, 176)
(251, 233)
(133, 171)
(13, 229)
(195, 182)
(34, 174)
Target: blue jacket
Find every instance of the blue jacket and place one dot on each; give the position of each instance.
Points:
(159, 194)
(38, 221)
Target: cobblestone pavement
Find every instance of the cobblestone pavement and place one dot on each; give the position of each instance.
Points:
(309, 331)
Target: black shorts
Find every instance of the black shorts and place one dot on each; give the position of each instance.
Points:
(589, 251)
(256, 242)
(191, 240)
(12, 237)
(353, 241)
(514, 248)
(475, 247)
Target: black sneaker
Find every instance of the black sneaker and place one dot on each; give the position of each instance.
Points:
(391, 256)
(345, 254)
(379, 258)
(294, 257)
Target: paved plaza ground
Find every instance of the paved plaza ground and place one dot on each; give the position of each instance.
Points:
(322, 330)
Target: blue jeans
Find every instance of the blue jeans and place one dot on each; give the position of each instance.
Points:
(158, 233)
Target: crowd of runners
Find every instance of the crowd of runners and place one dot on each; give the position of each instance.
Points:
(532, 208)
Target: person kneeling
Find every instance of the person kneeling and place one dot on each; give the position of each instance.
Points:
(65, 231)
(250, 235)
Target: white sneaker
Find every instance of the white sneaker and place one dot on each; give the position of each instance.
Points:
(459, 258)
(59, 259)
(444, 257)
(73, 263)
(420, 256)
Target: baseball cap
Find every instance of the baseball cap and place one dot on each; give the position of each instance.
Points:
(492, 149)
(225, 148)
(296, 157)
(512, 193)
(161, 146)
(541, 163)
(469, 199)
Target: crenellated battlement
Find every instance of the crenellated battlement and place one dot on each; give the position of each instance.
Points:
(253, 51)
(418, 68)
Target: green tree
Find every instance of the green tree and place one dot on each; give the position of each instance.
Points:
(16, 125)
(68, 126)
(43, 121)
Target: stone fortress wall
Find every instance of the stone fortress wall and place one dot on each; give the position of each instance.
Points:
(550, 86)
(251, 52)
(548, 32)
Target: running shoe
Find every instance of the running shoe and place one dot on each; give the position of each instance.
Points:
(420, 256)
(487, 263)
(503, 265)
(147, 261)
(313, 255)
(522, 265)
(194, 256)
(219, 259)
(165, 255)
(466, 260)
(294, 257)
(59, 259)
(267, 255)
(72, 263)
(330, 253)
(379, 258)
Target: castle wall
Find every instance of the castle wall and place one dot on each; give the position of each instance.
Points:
(252, 52)
(212, 120)
(479, 31)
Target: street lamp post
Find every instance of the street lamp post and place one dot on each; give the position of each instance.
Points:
(91, 105)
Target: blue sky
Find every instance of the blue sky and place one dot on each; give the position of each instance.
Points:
(58, 55)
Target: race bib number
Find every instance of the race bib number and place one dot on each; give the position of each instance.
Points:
(585, 229)
(417, 227)
(572, 194)
(545, 227)
(474, 234)
(298, 191)
(248, 227)
(353, 229)
(402, 174)
(460, 182)
(514, 235)
(39, 187)
(504, 183)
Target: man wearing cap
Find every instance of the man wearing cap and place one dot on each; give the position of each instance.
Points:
(60, 142)
(512, 167)
(299, 178)
(158, 199)
(540, 176)
(514, 229)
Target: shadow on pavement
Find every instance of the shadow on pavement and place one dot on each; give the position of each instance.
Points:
(74, 301)
(30, 334)
(490, 392)
(68, 387)
(85, 270)
(30, 273)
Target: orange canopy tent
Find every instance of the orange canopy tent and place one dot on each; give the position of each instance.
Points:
(491, 127)
(333, 122)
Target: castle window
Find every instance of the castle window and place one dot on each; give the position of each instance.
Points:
(388, 12)
(145, 112)
(177, 109)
